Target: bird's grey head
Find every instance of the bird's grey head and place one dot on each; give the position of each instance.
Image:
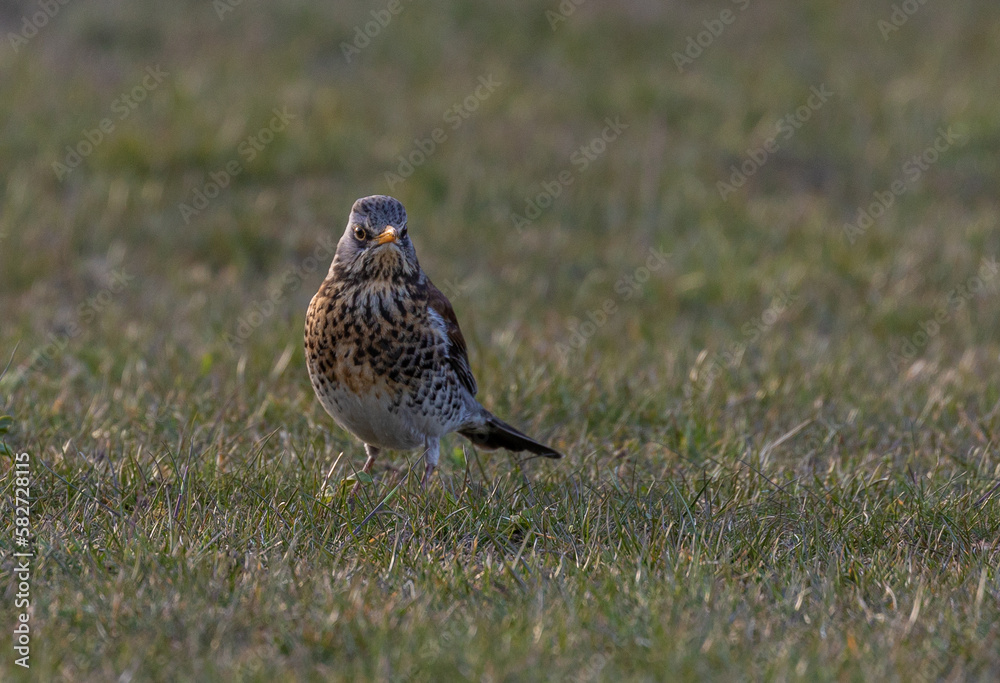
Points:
(375, 244)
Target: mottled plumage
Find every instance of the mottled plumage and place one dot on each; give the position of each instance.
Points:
(384, 350)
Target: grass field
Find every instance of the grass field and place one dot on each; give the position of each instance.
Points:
(738, 260)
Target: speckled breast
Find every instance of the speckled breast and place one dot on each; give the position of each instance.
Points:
(377, 365)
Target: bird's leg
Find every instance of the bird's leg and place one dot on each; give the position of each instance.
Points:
(370, 462)
(432, 451)
(372, 452)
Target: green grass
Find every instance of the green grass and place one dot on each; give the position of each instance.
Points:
(758, 483)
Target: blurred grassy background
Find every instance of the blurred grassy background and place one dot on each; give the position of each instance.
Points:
(132, 304)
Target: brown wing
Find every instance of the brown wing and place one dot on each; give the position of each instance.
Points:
(458, 355)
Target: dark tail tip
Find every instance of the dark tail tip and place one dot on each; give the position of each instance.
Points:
(496, 433)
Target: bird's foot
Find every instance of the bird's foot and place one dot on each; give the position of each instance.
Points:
(367, 469)
(428, 469)
(353, 495)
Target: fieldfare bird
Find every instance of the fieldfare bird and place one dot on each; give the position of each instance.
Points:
(385, 354)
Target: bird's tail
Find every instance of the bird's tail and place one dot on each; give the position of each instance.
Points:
(495, 433)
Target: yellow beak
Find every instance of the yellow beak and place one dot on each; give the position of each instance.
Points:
(388, 235)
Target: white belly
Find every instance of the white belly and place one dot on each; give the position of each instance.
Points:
(370, 418)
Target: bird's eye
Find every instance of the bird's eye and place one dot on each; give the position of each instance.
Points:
(360, 233)
(402, 233)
